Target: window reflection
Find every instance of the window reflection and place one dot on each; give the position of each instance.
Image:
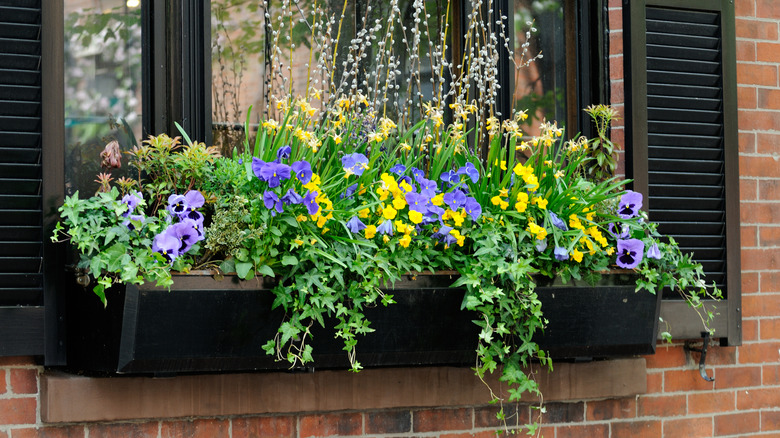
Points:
(102, 86)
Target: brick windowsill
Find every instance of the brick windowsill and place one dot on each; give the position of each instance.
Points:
(68, 398)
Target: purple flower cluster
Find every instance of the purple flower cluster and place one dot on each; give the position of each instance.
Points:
(179, 237)
(132, 221)
(275, 172)
(630, 251)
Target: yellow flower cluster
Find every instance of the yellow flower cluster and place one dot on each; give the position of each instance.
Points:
(325, 212)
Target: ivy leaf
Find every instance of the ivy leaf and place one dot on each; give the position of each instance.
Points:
(266, 270)
(243, 269)
(289, 260)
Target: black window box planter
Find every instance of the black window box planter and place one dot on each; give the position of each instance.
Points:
(205, 325)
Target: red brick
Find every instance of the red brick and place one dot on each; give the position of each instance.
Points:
(666, 357)
(769, 189)
(758, 120)
(769, 236)
(747, 142)
(753, 74)
(737, 424)
(24, 380)
(745, 8)
(17, 360)
(17, 410)
(636, 429)
(616, 68)
(513, 412)
(765, 167)
(388, 422)
(760, 259)
(767, 9)
(124, 430)
(271, 427)
(707, 402)
(563, 413)
(655, 382)
(617, 92)
(737, 377)
(769, 98)
(758, 398)
(430, 420)
(770, 328)
(609, 409)
(685, 380)
(615, 42)
(756, 30)
(483, 434)
(749, 237)
(759, 353)
(662, 406)
(717, 355)
(688, 427)
(770, 282)
(764, 304)
(746, 52)
(590, 431)
(770, 375)
(49, 432)
(770, 420)
(331, 424)
(767, 143)
(746, 99)
(615, 19)
(749, 330)
(749, 282)
(2, 382)
(195, 429)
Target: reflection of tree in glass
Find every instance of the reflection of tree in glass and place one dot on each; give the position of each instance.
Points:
(540, 88)
(102, 88)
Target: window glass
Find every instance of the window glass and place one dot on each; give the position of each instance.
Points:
(540, 85)
(102, 88)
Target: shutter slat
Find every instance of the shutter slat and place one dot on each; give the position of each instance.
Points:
(28, 93)
(681, 140)
(667, 63)
(681, 78)
(690, 41)
(687, 115)
(682, 153)
(681, 91)
(8, 123)
(682, 102)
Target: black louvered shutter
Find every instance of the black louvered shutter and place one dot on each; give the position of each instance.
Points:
(21, 234)
(682, 129)
(686, 187)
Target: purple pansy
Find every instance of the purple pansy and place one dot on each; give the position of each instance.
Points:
(558, 222)
(133, 221)
(449, 177)
(470, 171)
(355, 163)
(455, 199)
(630, 203)
(310, 201)
(427, 187)
(272, 201)
(541, 245)
(302, 170)
(177, 205)
(385, 227)
(398, 169)
(629, 253)
(257, 166)
(623, 232)
(167, 245)
(283, 153)
(653, 252)
(560, 253)
(274, 173)
(417, 173)
(194, 199)
(417, 202)
(473, 208)
(131, 200)
(291, 198)
(350, 191)
(186, 232)
(354, 225)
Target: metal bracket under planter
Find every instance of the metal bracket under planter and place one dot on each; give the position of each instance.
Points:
(208, 325)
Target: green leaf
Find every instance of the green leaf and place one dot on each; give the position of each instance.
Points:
(243, 269)
(266, 270)
(289, 260)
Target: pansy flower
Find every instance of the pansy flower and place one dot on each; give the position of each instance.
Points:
(417, 202)
(349, 191)
(560, 253)
(354, 164)
(167, 245)
(398, 169)
(630, 203)
(653, 252)
(257, 166)
(558, 222)
(186, 232)
(385, 227)
(473, 208)
(355, 225)
(131, 200)
(417, 173)
(310, 201)
(272, 201)
(629, 253)
(274, 173)
(470, 171)
(283, 153)
(291, 198)
(302, 170)
(455, 199)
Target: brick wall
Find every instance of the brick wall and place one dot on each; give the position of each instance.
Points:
(744, 399)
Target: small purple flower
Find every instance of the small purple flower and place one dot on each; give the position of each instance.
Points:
(350, 191)
(455, 199)
(257, 167)
(292, 198)
(186, 232)
(193, 215)
(629, 253)
(355, 163)
(271, 201)
(385, 227)
(302, 170)
(653, 252)
(623, 233)
(354, 225)
(630, 203)
(283, 153)
(470, 171)
(417, 173)
(240, 161)
(473, 208)
(131, 200)
(167, 245)
(558, 222)
(435, 212)
(177, 205)
(449, 177)
(417, 202)
(406, 179)
(274, 173)
(443, 232)
(398, 169)
(133, 221)
(561, 254)
(194, 199)
(310, 201)
(427, 187)
(541, 245)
